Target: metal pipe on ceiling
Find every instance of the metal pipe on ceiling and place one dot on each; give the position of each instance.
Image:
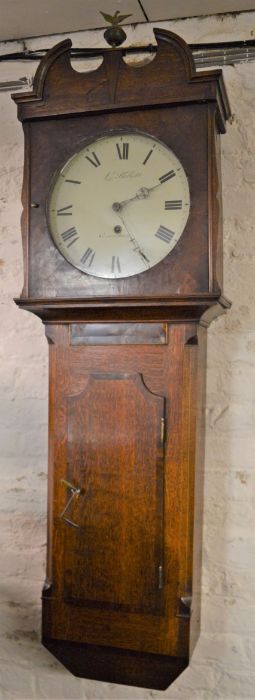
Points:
(205, 56)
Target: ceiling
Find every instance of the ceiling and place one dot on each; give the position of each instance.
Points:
(27, 18)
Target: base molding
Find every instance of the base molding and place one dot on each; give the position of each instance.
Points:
(114, 665)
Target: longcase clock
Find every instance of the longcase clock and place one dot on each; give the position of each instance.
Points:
(122, 240)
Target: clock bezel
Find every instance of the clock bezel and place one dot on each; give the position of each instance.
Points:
(121, 131)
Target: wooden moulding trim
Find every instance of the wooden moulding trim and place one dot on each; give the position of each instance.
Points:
(196, 309)
(205, 76)
(215, 233)
(41, 74)
(206, 86)
(211, 200)
(25, 198)
(224, 109)
(39, 109)
(163, 36)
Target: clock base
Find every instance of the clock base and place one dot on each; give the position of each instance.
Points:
(113, 665)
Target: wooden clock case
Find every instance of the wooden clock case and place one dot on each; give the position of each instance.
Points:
(127, 373)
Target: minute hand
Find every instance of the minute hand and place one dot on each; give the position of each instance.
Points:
(142, 193)
(136, 246)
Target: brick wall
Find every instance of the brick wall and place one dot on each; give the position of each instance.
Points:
(223, 664)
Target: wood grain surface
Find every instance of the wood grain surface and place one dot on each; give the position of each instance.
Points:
(127, 373)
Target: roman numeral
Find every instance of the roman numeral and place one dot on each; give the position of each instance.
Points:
(165, 234)
(122, 149)
(148, 156)
(115, 264)
(94, 160)
(167, 176)
(88, 257)
(63, 211)
(75, 182)
(70, 235)
(173, 204)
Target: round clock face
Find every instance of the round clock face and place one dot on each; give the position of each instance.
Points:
(119, 205)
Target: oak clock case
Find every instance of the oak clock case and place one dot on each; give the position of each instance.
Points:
(123, 264)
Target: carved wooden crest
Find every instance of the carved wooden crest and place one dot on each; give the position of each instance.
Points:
(59, 89)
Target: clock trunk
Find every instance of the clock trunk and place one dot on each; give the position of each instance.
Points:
(124, 405)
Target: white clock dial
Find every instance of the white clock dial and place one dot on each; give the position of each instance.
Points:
(119, 205)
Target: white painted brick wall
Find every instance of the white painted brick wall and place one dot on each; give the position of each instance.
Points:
(223, 664)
